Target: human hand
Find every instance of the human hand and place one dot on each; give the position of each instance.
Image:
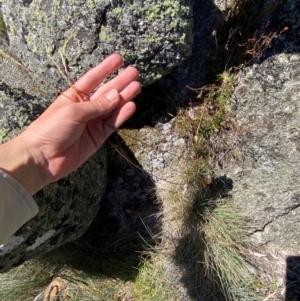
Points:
(70, 131)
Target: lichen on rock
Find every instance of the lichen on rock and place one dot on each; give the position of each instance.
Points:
(262, 154)
(154, 37)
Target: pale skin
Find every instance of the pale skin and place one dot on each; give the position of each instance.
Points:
(71, 131)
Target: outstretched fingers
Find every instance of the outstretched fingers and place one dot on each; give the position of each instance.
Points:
(90, 80)
(120, 82)
(118, 118)
(126, 95)
(111, 120)
(87, 111)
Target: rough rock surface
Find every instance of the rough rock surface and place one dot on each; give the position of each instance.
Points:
(155, 36)
(143, 166)
(222, 4)
(262, 155)
(67, 207)
(191, 73)
(266, 162)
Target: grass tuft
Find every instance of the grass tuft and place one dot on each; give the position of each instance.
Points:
(213, 247)
(25, 282)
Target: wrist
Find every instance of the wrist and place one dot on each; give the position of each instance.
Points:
(18, 162)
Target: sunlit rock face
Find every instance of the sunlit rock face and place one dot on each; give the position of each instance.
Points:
(154, 36)
(262, 154)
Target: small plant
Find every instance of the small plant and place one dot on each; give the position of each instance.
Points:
(2, 24)
(214, 98)
(213, 248)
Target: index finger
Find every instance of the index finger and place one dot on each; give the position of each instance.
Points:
(90, 80)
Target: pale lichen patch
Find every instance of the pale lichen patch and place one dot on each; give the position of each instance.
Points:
(13, 242)
(40, 240)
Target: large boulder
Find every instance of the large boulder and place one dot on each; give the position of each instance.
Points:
(143, 166)
(67, 207)
(177, 87)
(262, 154)
(155, 36)
(266, 163)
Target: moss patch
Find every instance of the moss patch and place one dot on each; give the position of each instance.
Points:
(2, 24)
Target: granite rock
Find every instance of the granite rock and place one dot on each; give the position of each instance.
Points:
(177, 87)
(143, 167)
(262, 153)
(155, 36)
(266, 148)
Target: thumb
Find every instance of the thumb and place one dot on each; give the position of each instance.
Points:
(99, 106)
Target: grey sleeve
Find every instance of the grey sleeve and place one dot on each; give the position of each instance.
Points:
(16, 206)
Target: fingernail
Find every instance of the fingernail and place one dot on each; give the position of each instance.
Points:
(112, 95)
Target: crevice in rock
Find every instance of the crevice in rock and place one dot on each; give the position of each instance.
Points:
(289, 210)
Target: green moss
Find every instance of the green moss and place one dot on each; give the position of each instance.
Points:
(24, 18)
(152, 38)
(2, 24)
(174, 24)
(92, 3)
(3, 135)
(104, 36)
(31, 43)
(156, 76)
(126, 54)
(118, 12)
(171, 12)
(39, 15)
(181, 40)
(13, 31)
(166, 9)
(155, 13)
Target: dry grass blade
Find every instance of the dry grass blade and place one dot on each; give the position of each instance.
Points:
(64, 74)
(18, 64)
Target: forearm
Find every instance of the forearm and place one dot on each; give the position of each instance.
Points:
(17, 161)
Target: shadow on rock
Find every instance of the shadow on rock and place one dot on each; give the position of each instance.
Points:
(126, 223)
(292, 278)
(280, 20)
(249, 36)
(256, 30)
(165, 96)
(199, 279)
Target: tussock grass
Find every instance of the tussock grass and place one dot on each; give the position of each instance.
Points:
(24, 283)
(225, 253)
(76, 264)
(203, 254)
(213, 249)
